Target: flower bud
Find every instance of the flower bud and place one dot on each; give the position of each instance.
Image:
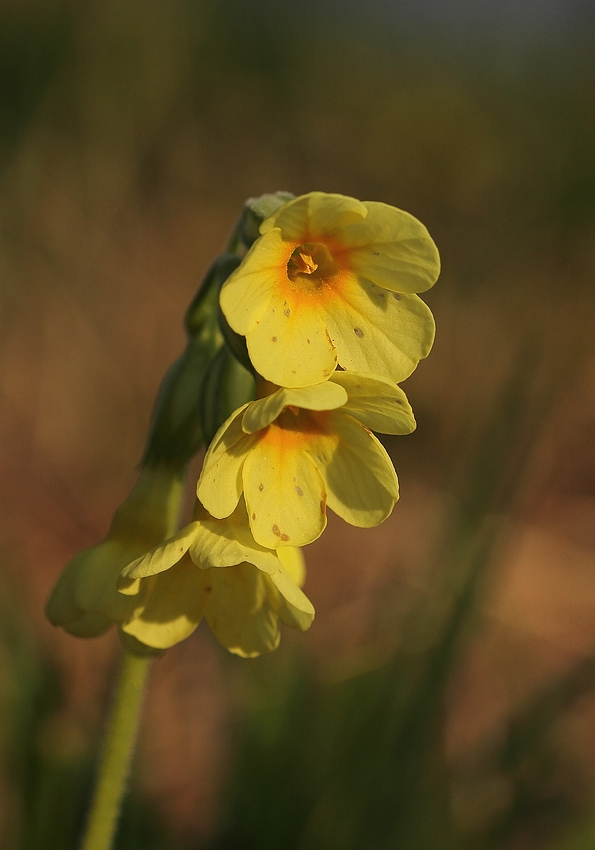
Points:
(255, 212)
(85, 600)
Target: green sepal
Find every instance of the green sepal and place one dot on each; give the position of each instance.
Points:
(176, 435)
(227, 385)
(255, 212)
(235, 342)
(200, 313)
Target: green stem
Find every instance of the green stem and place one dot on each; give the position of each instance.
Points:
(116, 756)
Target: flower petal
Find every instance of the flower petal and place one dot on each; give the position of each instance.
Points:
(238, 610)
(377, 403)
(291, 346)
(223, 543)
(292, 605)
(294, 562)
(327, 396)
(284, 491)
(172, 606)
(246, 294)
(392, 249)
(377, 331)
(361, 482)
(315, 214)
(158, 560)
(220, 484)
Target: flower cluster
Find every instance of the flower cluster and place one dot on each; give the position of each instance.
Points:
(325, 303)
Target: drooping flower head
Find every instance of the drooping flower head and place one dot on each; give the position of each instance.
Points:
(296, 450)
(211, 568)
(215, 569)
(331, 281)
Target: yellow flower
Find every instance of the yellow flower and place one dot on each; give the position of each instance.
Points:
(215, 569)
(331, 281)
(85, 601)
(297, 450)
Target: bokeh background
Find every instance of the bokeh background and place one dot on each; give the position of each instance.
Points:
(443, 697)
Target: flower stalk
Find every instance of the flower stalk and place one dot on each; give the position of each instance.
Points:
(117, 752)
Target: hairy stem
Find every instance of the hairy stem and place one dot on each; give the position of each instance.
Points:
(116, 756)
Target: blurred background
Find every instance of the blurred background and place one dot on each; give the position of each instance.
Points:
(443, 697)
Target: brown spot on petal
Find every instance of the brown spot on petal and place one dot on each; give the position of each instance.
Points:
(299, 490)
(253, 516)
(308, 341)
(358, 332)
(396, 296)
(208, 589)
(284, 537)
(276, 530)
(274, 339)
(287, 312)
(261, 487)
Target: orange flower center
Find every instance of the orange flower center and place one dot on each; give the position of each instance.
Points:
(311, 263)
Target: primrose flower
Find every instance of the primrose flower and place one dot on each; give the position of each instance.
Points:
(296, 450)
(85, 600)
(331, 281)
(214, 568)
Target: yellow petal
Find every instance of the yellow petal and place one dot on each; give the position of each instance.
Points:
(377, 331)
(284, 491)
(172, 606)
(377, 403)
(220, 484)
(392, 249)
(158, 560)
(259, 414)
(294, 562)
(360, 479)
(239, 613)
(292, 605)
(290, 346)
(313, 215)
(222, 543)
(247, 292)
